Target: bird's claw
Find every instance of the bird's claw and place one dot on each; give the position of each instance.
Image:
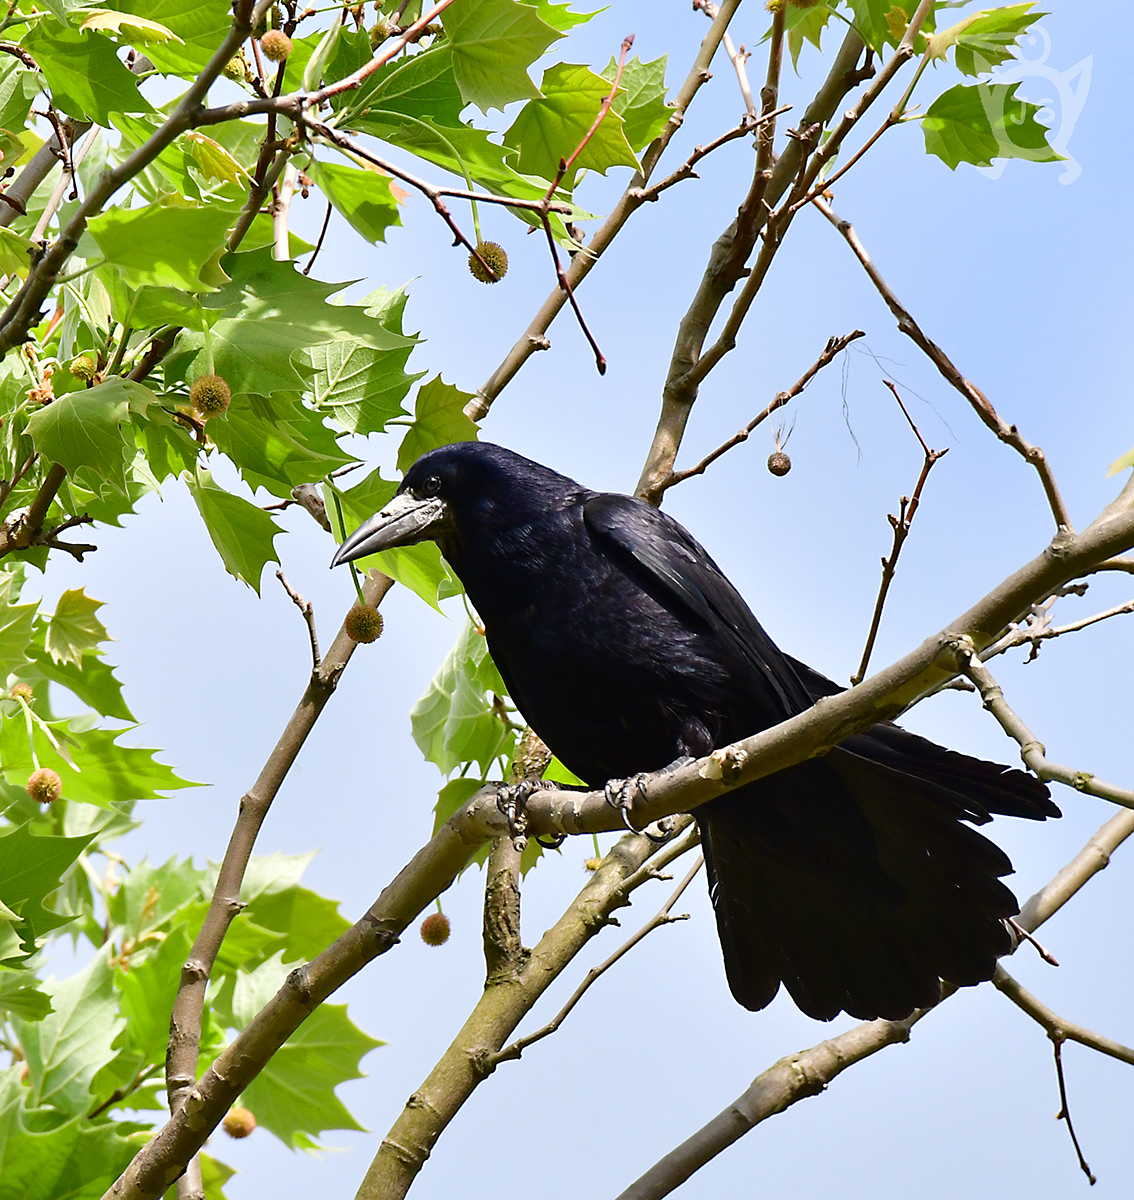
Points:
(512, 800)
(619, 794)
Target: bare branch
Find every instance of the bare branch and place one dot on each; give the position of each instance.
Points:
(1008, 434)
(834, 347)
(907, 508)
(1064, 1113)
(1031, 749)
(308, 610)
(660, 918)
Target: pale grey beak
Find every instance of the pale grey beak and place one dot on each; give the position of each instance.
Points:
(404, 521)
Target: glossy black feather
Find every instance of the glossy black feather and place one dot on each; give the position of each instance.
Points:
(856, 879)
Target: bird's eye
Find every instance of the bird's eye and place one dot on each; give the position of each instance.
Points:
(431, 485)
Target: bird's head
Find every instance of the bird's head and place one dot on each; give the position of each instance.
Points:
(450, 492)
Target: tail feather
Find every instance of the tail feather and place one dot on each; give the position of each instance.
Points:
(852, 880)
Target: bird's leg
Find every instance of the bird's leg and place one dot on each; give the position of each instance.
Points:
(620, 792)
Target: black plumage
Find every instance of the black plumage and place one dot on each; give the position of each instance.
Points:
(855, 879)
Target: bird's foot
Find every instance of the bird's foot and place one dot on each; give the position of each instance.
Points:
(620, 795)
(512, 800)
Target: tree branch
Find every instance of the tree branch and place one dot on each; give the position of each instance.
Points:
(1008, 434)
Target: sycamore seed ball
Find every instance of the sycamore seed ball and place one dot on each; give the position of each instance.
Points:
(45, 786)
(239, 1122)
(435, 929)
(276, 45)
(22, 689)
(84, 367)
(235, 68)
(592, 864)
(496, 257)
(363, 624)
(779, 463)
(210, 395)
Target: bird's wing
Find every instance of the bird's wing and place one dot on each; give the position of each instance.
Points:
(677, 571)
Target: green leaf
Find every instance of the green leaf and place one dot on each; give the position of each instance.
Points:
(147, 992)
(277, 442)
(162, 245)
(14, 251)
(200, 24)
(18, 86)
(420, 568)
(805, 24)
(560, 16)
(641, 100)
(74, 629)
(306, 922)
(15, 634)
(438, 420)
(214, 160)
(75, 1161)
(22, 998)
(362, 196)
(93, 681)
(493, 43)
(241, 532)
(137, 29)
(86, 77)
(548, 130)
(986, 39)
(66, 1048)
(294, 1096)
(883, 23)
(149, 897)
(83, 431)
(1127, 460)
(977, 123)
(270, 312)
(454, 721)
(31, 868)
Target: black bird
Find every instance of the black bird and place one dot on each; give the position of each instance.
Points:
(850, 878)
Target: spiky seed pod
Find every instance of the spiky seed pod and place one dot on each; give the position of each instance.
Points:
(22, 689)
(84, 367)
(363, 624)
(380, 32)
(435, 929)
(239, 1122)
(495, 256)
(592, 864)
(210, 396)
(779, 463)
(45, 786)
(236, 68)
(276, 45)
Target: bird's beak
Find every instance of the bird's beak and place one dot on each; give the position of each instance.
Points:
(404, 521)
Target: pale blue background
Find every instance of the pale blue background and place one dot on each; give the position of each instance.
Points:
(1024, 281)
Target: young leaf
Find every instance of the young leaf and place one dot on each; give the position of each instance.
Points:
(641, 99)
(137, 29)
(74, 630)
(977, 123)
(363, 197)
(438, 420)
(86, 77)
(548, 130)
(493, 43)
(66, 1048)
(200, 25)
(242, 533)
(986, 39)
(31, 868)
(294, 1096)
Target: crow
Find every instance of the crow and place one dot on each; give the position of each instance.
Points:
(854, 878)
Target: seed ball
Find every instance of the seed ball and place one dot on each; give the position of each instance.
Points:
(779, 463)
(22, 689)
(276, 45)
(435, 929)
(495, 256)
(210, 395)
(380, 32)
(239, 1122)
(363, 624)
(592, 864)
(235, 69)
(45, 786)
(84, 367)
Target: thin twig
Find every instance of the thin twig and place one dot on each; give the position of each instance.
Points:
(1024, 935)
(1038, 630)
(319, 243)
(907, 507)
(660, 918)
(1008, 434)
(1031, 748)
(308, 610)
(739, 57)
(834, 347)
(1064, 1113)
(7, 485)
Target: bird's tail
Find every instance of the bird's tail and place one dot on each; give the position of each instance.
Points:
(856, 879)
